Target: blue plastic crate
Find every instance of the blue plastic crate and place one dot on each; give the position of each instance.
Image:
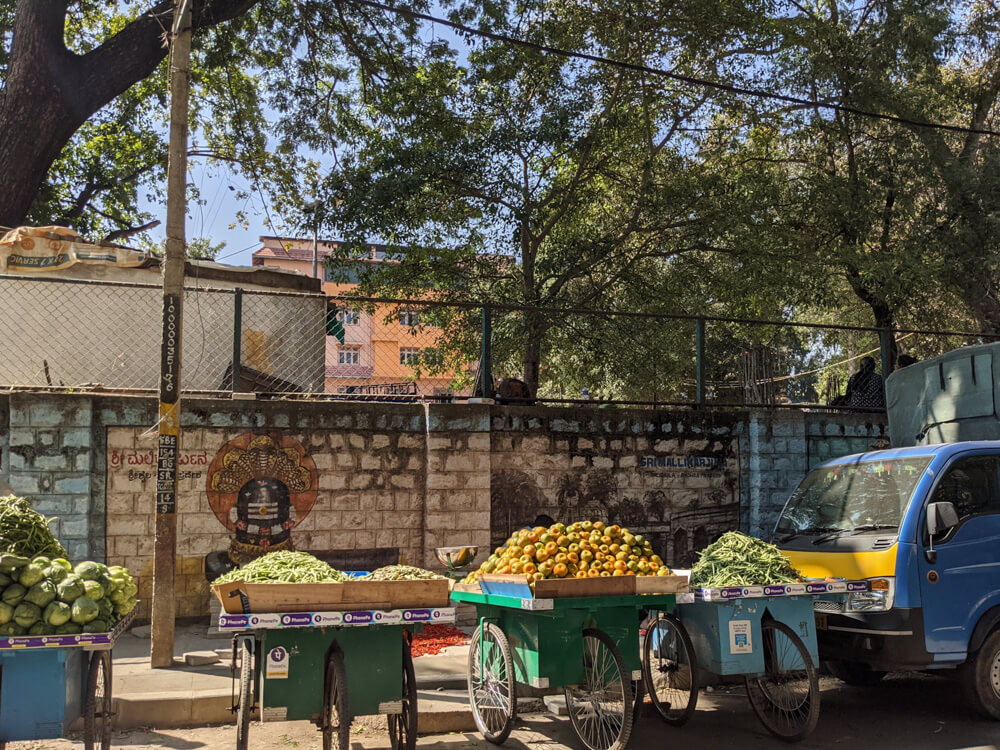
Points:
(727, 634)
(41, 692)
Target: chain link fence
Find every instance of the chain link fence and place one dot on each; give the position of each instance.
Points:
(76, 334)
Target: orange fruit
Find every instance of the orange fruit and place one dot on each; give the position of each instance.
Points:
(542, 555)
(593, 573)
(574, 547)
(654, 566)
(581, 574)
(560, 570)
(605, 574)
(620, 565)
(599, 525)
(529, 550)
(573, 557)
(563, 541)
(617, 573)
(529, 568)
(551, 547)
(562, 557)
(537, 577)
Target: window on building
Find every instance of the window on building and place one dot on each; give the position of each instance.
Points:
(408, 356)
(348, 317)
(409, 318)
(349, 355)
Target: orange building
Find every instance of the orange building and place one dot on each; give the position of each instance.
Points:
(379, 354)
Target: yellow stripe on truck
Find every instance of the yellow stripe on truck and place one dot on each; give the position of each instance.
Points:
(850, 565)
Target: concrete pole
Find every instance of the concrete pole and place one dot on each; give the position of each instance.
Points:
(165, 542)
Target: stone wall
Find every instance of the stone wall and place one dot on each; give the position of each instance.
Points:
(361, 475)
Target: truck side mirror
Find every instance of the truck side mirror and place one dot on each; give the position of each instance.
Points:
(941, 517)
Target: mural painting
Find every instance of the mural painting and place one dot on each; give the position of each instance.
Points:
(681, 502)
(260, 487)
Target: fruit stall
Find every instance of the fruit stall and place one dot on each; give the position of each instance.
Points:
(58, 624)
(311, 642)
(560, 607)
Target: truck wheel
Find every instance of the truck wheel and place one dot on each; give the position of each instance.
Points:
(854, 673)
(981, 677)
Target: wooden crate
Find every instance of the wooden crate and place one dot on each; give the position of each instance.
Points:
(559, 588)
(661, 584)
(334, 597)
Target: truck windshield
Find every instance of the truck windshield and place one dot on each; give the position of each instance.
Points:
(859, 496)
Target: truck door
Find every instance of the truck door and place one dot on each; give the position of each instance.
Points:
(968, 557)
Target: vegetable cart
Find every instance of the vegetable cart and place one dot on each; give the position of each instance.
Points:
(328, 667)
(47, 682)
(587, 645)
(766, 634)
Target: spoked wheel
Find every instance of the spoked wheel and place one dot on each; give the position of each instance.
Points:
(245, 705)
(97, 703)
(336, 719)
(786, 697)
(670, 669)
(491, 683)
(601, 709)
(403, 726)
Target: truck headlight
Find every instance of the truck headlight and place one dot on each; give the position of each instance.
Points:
(877, 599)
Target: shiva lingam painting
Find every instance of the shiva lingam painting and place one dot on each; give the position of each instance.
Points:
(261, 486)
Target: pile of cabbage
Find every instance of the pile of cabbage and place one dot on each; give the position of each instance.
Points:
(49, 596)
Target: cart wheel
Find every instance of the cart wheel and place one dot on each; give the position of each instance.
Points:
(403, 726)
(786, 697)
(245, 705)
(670, 669)
(336, 721)
(97, 703)
(601, 709)
(491, 683)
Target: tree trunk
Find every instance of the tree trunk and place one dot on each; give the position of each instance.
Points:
(50, 91)
(535, 328)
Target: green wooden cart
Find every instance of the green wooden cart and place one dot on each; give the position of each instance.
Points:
(589, 646)
(328, 667)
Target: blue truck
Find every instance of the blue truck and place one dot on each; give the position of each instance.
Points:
(921, 522)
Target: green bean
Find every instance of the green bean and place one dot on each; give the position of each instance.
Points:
(284, 567)
(400, 573)
(736, 559)
(24, 531)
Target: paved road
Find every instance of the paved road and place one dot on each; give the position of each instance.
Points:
(915, 712)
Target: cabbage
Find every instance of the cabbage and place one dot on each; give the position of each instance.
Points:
(10, 629)
(6, 613)
(5, 580)
(31, 574)
(41, 628)
(41, 560)
(57, 613)
(64, 564)
(69, 628)
(96, 626)
(84, 610)
(27, 614)
(41, 594)
(106, 609)
(93, 589)
(13, 594)
(56, 573)
(70, 589)
(89, 571)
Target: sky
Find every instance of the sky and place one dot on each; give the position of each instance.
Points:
(219, 186)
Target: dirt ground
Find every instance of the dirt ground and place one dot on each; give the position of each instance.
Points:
(909, 711)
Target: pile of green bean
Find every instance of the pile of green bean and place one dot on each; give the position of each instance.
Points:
(284, 567)
(400, 573)
(24, 531)
(736, 559)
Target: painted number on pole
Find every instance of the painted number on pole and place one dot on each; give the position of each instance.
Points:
(170, 354)
(166, 473)
(277, 664)
(740, 641)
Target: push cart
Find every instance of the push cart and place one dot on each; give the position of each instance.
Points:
(48, 682)
(587, 645)
(328, 667)
(765, 634)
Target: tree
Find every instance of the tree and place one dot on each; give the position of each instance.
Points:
(82, 89)
(529, 178)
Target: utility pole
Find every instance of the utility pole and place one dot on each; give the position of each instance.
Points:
(315, 249)
(165, 543)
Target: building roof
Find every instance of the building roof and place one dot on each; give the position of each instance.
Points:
(296, 248)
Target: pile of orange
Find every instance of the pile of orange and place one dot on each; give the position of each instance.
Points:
(586, 549)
